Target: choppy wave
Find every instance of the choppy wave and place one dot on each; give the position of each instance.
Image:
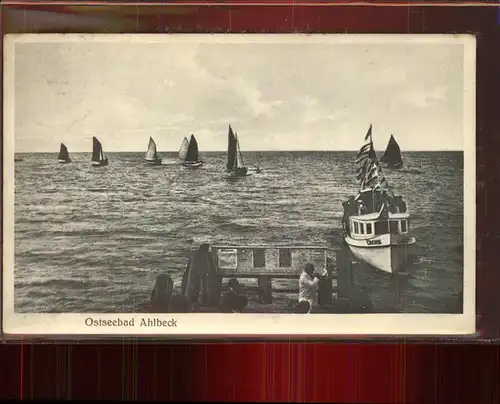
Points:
(94, 239)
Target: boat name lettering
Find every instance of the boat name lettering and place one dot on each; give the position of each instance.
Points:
(373, 242)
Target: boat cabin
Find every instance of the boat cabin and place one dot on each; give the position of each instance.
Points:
(372, 200)
(370, 225)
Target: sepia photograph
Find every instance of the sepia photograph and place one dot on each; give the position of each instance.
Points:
(239, 184)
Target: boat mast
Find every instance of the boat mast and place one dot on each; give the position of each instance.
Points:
(377, 163)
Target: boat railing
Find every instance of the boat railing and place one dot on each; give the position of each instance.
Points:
(369, 204)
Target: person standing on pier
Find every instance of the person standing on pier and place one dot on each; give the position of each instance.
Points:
(308, 286)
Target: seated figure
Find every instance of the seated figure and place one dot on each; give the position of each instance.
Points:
(362, 209)
(402, 205)
(350, 209)
(233, 301)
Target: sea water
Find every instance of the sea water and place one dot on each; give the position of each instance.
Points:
(94, 239)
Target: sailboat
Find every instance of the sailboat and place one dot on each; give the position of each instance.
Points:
(152, 157)
(184, 149)
(63, 155)
(191, 158)
(98, 159)
(235, 166)
(392, 156)
(375, 222)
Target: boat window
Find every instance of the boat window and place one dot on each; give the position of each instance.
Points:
(394, 226)
(362, 228)
(285, 258)
(403, 226)
(368, 228)
(381, 228)
(259, 258)
(356, 227)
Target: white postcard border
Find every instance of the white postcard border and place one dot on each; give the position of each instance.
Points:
(244, 324)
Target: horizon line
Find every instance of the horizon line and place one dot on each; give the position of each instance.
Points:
(246, 151)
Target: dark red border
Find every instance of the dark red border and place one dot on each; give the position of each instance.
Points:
(258, 372)
(269, 371)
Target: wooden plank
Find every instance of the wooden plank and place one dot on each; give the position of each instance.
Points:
(262, 271)
(295, 247)
(254, 275)
(265, 289)
(268, 260)
(344, 273)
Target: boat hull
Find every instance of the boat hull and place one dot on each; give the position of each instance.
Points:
(192, 164)
(64, 161)
(386, 252)
(253, 170)
(241, 173)
(396, 166)
(156, 162)
(101, 163)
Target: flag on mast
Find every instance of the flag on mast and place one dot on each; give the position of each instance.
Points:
(369, 173)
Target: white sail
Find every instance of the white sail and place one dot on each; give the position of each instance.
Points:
(102, 155)
(239, 157)
(184, 148)
(151, 153)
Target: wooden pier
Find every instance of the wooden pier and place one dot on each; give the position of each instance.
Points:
(268, 262)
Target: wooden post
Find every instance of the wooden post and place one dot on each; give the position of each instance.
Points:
(216, 291)
(325, 291)
(265, 289)
(204, 295)
(162, 294)
(345, 275)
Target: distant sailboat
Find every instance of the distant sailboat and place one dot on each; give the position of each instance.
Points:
(152, 157)
(184, 149)
(98, 159)
(191, 159)
(63, 155)
(392, 156)
(235, 166)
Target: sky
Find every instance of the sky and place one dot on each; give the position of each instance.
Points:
(277, 96)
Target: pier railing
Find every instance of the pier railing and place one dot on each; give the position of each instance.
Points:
(266, 262)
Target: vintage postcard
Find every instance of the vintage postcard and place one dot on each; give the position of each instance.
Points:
(239, 185)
